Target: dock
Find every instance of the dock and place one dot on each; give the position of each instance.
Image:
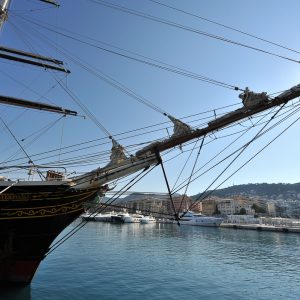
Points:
(262, 227)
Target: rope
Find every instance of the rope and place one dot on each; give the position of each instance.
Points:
(190, 29)
(21, 147)
(151, 62)
(236, 157)
(257, 153)
(192, 172)
(84, 222)
(225, 26)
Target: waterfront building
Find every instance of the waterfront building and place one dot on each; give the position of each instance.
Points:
(158, 204)
(153, 203)
(183, 202)
(235, 205)
(209, 206)
(227, 207)
(271, 209)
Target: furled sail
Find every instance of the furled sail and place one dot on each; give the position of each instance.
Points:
(252, 99)
(179, 127)
(117, 154)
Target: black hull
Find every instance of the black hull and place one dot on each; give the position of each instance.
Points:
(30, 219)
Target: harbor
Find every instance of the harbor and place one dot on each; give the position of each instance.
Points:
(259, 224)
(164, 261)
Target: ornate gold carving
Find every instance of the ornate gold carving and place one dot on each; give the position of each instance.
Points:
(25, 213)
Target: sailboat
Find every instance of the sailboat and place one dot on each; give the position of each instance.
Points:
(34, 212)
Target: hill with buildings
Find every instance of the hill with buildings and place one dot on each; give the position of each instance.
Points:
(251, 199)
(263, 191)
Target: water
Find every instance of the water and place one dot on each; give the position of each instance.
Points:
(164, 261)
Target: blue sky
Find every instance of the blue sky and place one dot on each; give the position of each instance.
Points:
(274, 20)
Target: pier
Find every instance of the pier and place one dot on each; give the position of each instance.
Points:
(262, 227)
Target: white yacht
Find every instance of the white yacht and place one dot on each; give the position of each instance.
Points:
(105, 217)
(148, 219)
(197, 219)
(134, 218)
(120, 217)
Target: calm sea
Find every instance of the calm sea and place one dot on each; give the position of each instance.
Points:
(164, 261)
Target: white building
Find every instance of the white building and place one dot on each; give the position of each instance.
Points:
(234, 206)
(271, 209)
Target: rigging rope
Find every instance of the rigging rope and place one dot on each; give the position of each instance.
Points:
(192, 172)
(240, 152)
(151, 62)
(190, 29)
(250, 159)
(225, 26)
(243, 132)
(179, 175)
(21, 147)
(84, 222)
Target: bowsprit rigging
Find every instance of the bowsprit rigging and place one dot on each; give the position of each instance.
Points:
(256, 103)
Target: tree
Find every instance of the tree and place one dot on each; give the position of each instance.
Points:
(243, 211)
(258, 209)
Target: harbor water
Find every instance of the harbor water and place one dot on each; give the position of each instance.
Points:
(165, 261)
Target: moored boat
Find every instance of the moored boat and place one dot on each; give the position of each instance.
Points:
(132, 218)
(119, 218)
(197, 219)
(148, 219)
(104, 217)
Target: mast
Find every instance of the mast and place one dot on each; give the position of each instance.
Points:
(27, 57)
(35, 105)
(37, 60)
(32, 59)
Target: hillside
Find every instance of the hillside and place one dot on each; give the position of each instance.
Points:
(273, 191)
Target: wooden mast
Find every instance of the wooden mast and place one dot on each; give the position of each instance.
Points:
(33, 59)
(35, 105)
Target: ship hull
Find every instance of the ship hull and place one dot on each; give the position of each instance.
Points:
(30, 219)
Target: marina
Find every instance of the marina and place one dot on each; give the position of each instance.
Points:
(192, 219)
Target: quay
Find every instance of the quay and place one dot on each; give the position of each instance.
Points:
(262, 227)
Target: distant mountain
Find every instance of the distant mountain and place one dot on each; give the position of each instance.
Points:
(268, 191)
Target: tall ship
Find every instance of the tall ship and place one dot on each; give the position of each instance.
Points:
(35, 208)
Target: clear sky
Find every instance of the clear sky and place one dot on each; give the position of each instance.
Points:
(101, 26)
